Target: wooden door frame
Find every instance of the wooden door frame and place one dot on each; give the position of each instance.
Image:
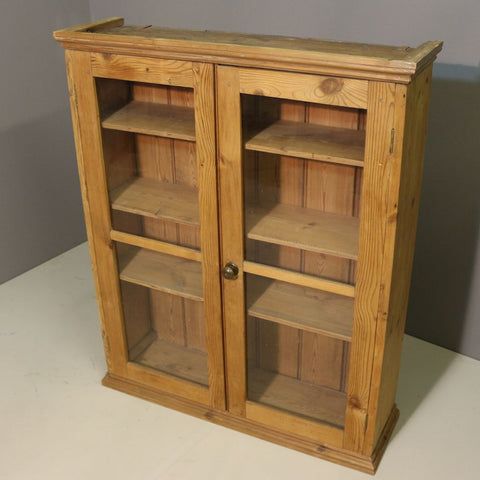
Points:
(231, 83)
(81, 68)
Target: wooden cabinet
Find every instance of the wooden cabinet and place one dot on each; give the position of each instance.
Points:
(251, 205)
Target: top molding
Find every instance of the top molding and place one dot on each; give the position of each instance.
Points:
(355, 60)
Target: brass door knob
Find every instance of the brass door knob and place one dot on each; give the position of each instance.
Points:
(230, 271)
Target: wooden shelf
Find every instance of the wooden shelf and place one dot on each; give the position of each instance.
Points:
(166, 273)
(158, 119)
(152, 198)
(170, 358)
(295, 396)
(304, 228)
(300, 307)
(310, 141)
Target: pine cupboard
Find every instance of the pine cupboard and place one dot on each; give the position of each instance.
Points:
(251, 205)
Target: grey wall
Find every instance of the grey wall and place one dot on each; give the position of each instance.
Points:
(445, 296)
(40, 208)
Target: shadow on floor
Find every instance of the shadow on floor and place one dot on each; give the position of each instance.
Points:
(423, 364)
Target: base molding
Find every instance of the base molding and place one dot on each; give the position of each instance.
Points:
(367, 464)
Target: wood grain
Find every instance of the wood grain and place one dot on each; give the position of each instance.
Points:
(298, 278)
(164, 382)
(168, 317)
(173, 359)
(156, 245)
(304, 228)
(270, 429)
(142, 69)
(373, 223)
(353, 60)
(277, 348)
(300, 307)
(167, 201)
(310, 141)
(161, 272)
(185, 173)
(170, 121)
(291, 395)
(232, 249)
(410, 126)
(88, 145)
(204, 99)
(322, 360)
(288, 177)
(136, 312)
(329, 188)
(156, 160)
(310, 158)
(195, 329)
(305, 88)
(296, 425)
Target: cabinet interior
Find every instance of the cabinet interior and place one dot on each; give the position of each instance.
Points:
(163, 309)
(302, 214)
(302, 179)
(148, 136)
(148, 141)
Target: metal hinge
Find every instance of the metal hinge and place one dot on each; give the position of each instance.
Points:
(392, 140)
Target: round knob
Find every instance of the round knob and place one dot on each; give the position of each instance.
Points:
(230, 271)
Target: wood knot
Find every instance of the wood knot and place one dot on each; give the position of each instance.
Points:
(331, 86)
(354, 403)
(208, 415)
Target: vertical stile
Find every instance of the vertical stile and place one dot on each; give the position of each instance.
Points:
(207, 179)
(93, 183)
(229, 129)
(373, 224)
(411, 114)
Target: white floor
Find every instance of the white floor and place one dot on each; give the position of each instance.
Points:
(58, 422)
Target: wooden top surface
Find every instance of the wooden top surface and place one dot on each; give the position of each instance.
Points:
(309, 55)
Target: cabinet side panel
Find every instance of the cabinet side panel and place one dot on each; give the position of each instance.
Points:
(394, 301)
(373, 222)
(85, 116)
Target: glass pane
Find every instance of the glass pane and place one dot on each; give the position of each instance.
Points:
(297, 371)
(148, 134)
(302, 180)
(306, 308)
(302, 171)
(163, 309)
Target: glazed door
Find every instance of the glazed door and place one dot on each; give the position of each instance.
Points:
(148, 125)
(291, 153)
